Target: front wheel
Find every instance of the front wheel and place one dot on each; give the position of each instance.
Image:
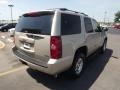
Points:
(78, 64)
(5, 30)
(103, 48)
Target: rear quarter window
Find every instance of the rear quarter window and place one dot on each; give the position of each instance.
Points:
(96, 26)
(70, 24)
(88, 25)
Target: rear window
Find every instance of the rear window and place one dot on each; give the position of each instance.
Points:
(36, 23)
(70, 24)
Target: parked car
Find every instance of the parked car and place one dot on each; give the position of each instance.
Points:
(117, 26)
(1, 25)
(104, 27)
(5, 27)
(11, 32)
(53, 41)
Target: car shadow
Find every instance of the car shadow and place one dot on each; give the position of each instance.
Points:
(93, 69)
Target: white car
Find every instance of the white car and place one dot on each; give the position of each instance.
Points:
(56, 40)
(11, 32)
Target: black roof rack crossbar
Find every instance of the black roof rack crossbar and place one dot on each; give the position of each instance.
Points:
(65, 9)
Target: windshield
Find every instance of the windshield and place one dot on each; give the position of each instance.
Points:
(37, 24)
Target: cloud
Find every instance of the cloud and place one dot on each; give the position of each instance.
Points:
(3, 1)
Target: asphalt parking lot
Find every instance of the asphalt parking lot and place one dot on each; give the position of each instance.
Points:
(101, 73)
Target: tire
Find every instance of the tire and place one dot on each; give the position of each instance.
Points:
(77, 66)
(5, 30)
(103, 48)
(2, 30)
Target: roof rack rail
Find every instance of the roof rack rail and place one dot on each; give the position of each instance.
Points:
(58, 9)
(84, 14)
(65, 9)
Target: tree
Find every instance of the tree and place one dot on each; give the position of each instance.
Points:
(117, 17)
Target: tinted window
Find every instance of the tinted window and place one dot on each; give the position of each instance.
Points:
(88, 25)
(12, 25)
(36, 24)
(96, 26)
(70, 24)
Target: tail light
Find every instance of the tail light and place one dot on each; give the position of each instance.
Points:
(56, 47)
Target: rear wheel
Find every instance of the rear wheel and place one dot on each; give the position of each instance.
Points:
(78, 64)
(5, 30)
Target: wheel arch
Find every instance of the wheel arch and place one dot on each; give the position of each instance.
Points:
(82, 49)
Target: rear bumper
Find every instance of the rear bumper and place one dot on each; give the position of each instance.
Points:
(51, 67)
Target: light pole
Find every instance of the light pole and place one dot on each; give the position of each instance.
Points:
(105, 13)
(0, 20)
(11, 6)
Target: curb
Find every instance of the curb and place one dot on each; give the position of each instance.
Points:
(2, 45)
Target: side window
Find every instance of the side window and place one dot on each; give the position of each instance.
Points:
(70, 24)
(96, 26)
(88, 25)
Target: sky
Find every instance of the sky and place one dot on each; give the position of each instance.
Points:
(93, 8)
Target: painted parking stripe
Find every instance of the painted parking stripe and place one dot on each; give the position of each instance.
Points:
(10, 40)
(12, 71)
(3, 37)
(2, 45)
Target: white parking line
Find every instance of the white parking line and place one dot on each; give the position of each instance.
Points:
(2, 45)
(3, 37)
(12, 71)
(10, 40)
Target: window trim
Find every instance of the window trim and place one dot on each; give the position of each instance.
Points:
(94, 21)
(80, 24)
(91, 25)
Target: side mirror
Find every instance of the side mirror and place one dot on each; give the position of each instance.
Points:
(99, 29)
